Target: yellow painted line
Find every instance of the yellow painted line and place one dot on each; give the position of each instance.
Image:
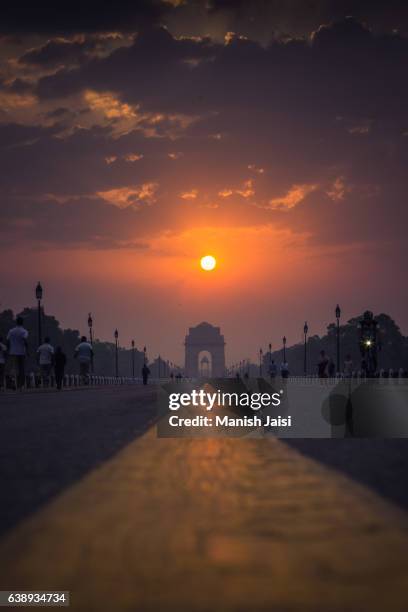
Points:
(214, 524)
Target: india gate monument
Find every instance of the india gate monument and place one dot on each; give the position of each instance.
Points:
(204, 352)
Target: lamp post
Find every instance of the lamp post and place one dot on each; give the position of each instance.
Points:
(260, 362)
(338, 313)
(305, 330)
(368, 342)
(270, 357)
(90, 323)
(116, 353)
(158, 361)
(284, 349)
(38, 295)
(133, 358)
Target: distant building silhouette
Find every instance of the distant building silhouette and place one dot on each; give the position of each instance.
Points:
(204, 338)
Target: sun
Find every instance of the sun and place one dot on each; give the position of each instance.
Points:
(208, 262)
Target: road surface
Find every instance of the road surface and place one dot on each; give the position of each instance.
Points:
(96, 504)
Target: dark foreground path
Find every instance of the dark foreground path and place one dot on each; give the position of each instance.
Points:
(48, 440)
(243, 525)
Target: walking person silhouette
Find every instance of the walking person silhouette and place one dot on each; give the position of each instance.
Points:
(60, 361)
(145, 374)
(17, 344)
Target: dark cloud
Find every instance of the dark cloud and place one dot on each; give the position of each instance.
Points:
(156, 59)
(86, 223)
(12, 136)
(70, 16)
(58, 52)
(345, 70)
(324, 118)
(257, 19)
(260, 18)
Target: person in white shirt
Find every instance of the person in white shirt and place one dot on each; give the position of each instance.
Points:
(17, 345)
(3, 355)
(45, 354)
(84, 354)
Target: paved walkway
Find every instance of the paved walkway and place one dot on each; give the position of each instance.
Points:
(49, 440)
(217, 524)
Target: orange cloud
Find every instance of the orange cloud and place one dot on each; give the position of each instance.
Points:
(337, 190)
(225, 193)
(189, 195)
(256, 169)
(132, 157)
(106, 108)
(246, 191)
(294, 196)
(175, 155)
(134, 196)
(109, 104)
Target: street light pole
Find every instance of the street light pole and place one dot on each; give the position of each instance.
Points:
(270, 358)
(133, 358)
(159, 366)
(38, 295)
(338, 313)
(284, 349)
(90, 323)
(305, 330)
(260, 362)
(116, 353)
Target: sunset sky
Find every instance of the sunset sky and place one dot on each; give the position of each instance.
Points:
(137, 137)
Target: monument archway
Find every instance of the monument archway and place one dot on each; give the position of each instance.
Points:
(205, 364)
(204, 338)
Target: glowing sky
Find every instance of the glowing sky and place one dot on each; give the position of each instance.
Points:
(135, 140)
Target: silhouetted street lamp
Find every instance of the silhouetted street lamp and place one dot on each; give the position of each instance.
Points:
(116, 353)
(133, 358)
(260, 362)
(368, 342)
(338, 313)
(305, 330)
(270, 357)
(159, 360)
(38, 295)
(90, 323)
(284, 349)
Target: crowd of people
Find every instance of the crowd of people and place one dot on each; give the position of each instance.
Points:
(15, 348)
(50, 359)
(325, 367)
